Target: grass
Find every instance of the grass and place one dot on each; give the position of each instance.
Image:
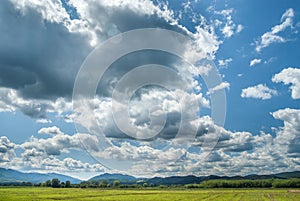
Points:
(31, 193)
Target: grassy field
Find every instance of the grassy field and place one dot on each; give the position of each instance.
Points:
(15, 193)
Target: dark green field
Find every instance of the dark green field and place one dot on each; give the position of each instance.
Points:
(30, 193)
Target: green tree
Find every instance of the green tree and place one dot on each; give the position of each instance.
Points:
(94, 183)
(84, 184)
(104, 183)
(48, 183)
(55, 183)
(68, 184)
(116, 183)
(62, 185)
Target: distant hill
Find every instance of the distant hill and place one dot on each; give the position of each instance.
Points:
(190, 179)
(11, 176)
(283, 175)
(175, 180)
(112, 177)
(287, 175)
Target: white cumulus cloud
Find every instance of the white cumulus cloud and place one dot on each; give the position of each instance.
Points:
(290, 76)
(272, 36)
(259, 91)
(6, 149)
(224, 62)
(51, 130)
(254, 62)
(222, 85)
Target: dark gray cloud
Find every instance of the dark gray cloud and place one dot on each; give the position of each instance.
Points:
(240, 147)
(10, 100)
(293, 147)
(40, 58)
(168, 132)
(213, 157)
(130, 61)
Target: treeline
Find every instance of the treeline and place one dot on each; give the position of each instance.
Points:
(115, 184)
(16, 183)
(55, 183)
(263, 183)
(243, 183)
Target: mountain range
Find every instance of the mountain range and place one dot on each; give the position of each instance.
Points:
(11, 176)
(14, 176)
(191, 179)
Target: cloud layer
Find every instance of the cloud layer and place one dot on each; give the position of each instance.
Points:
(243, 152)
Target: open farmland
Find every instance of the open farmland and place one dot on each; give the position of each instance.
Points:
(30, 193)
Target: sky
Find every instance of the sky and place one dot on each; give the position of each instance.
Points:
(150, 87)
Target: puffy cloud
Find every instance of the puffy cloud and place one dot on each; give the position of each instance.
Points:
(206, 40)
(147, 109)
(144, 154)
(43, 121)
(68, 165)
(50, 130)
(291, 117)
(227, 29)
(259, 91)
(76, 165)
(290, 76)
(225, 62)
(262, 153)
(228, 141)
(11, 100)
(222, 85)
(243, 152)
(271, 37)
(69, 118)
(130, 152)
(41, 154)
(254, 62)
(62, 143)
(227, 26)
(235, 152)
(239, 28)
(6, 149)
(288, 136)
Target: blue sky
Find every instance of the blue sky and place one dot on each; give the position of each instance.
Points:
(254, 45)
